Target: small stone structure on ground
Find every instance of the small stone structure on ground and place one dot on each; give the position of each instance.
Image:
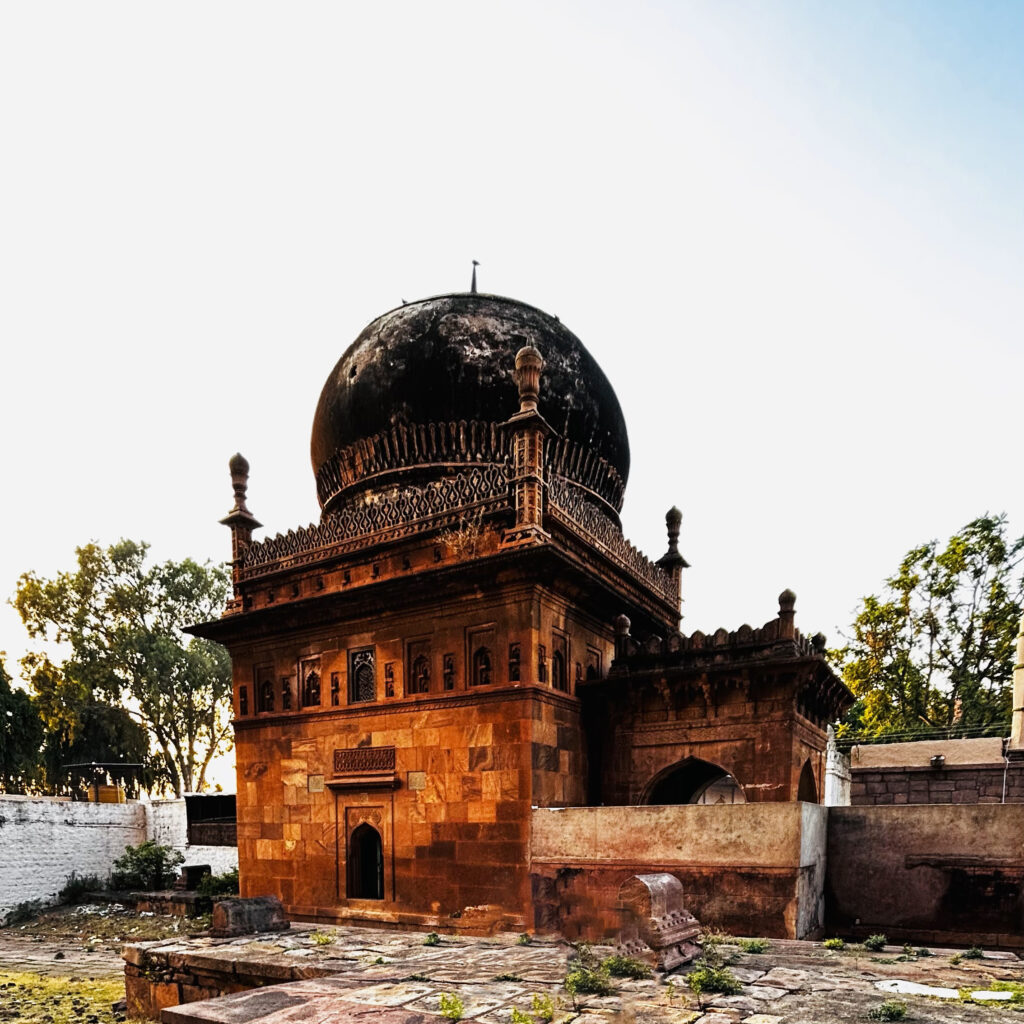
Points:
(655, 924)
(248, 916)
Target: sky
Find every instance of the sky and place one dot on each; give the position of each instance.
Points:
(790, 233)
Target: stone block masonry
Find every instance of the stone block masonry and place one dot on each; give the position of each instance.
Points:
(998, 783)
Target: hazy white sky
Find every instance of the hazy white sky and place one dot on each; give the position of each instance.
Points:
(790, 232)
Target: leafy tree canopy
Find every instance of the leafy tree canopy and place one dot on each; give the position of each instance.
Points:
(21, 738)
(122, 622)
(82, 730)
(935, 649)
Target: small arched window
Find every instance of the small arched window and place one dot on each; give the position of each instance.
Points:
(559, 680)
(266, 695)
(311, 690)
(420, 682)
(362, 676)
(481, 666)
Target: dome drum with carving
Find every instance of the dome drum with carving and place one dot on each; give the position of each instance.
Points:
(424, 389)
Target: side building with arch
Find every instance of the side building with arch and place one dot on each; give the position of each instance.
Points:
(467, 636)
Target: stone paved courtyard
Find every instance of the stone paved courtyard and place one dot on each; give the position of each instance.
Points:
(354, 974)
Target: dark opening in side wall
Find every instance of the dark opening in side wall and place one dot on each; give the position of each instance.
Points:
(688, 781)
(211, 819)
(365, 864)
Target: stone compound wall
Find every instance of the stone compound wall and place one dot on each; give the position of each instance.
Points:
(960, 784)
(927, 874)
(753, 869)
(42, 840)
(974, 771)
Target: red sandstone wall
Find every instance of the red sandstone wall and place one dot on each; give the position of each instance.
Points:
(459, 841)
(470, 762)
(752, 732)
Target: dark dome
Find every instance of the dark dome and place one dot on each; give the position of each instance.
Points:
(450, 359)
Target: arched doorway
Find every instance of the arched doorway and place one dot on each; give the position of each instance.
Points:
(694, 781)
(807, 790)
(365, 864)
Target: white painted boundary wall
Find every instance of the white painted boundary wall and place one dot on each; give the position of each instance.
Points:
(43, 839)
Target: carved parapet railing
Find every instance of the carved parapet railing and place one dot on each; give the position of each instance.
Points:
(584, 467)
(568, 505)
(412, 510)
(746, 638)
(406, 446)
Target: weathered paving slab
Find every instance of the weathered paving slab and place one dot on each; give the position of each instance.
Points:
(348, 974)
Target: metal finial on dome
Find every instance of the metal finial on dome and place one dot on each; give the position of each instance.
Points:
(472, 284)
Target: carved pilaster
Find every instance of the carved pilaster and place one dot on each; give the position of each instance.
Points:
(528, 431)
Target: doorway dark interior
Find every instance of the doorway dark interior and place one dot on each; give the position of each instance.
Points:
(807, 790)
(685, 783)
(365, 864)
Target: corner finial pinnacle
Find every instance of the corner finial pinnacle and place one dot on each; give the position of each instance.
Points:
(239, 467)
(472, 285)
(529, 363)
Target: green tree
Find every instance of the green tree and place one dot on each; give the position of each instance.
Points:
(122, 622)
(935, 648)
(80, 729)
(21, 738)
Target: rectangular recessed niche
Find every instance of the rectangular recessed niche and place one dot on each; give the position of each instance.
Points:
(314, 783)
(417, 780)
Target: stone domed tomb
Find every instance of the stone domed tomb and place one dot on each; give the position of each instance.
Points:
(466, 636)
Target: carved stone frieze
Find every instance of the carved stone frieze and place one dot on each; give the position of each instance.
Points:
(359, 760)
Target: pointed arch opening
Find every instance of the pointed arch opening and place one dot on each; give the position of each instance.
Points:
(807, 789)
(365, 864)
(694, 781)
